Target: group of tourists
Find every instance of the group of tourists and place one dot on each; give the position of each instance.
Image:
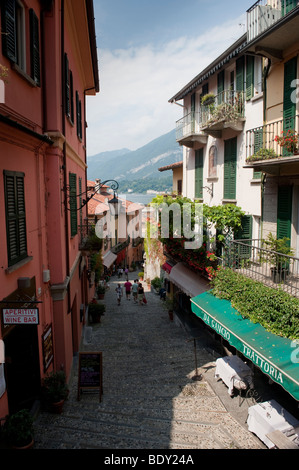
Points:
(136, 289)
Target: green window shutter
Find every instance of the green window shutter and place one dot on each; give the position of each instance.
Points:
(34, 47)
(73, 203)
(230, 168)
(72, 96)
(199, 174)
(289, 108)
(220, 86)
(240, 74)
(284, 211)
(67, 85)
(8, 29)
(79, 116)
(244, 233)
(287, 5)
(15, 216)
(193, 98)
(258, 144)
(249, 77)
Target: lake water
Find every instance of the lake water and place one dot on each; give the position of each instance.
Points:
(139, 198)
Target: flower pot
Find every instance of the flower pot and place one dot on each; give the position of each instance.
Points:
(25, 447)
(170, 313)
(278, 275)
(57, 407)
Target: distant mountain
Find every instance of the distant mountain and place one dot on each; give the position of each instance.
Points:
(139, 166)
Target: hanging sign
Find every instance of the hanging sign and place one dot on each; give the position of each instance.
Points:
(20, 316)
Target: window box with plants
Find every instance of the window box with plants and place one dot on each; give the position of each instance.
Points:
(262, 154)
(55, 391)
(18, 430)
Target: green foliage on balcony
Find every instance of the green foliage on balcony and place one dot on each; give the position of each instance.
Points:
(274, 309)
(262, 154)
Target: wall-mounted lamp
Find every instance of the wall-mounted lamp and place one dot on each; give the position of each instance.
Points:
(71, 197)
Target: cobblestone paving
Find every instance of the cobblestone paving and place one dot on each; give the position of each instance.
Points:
(149, 399)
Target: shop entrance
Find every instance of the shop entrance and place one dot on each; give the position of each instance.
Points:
(22, 372)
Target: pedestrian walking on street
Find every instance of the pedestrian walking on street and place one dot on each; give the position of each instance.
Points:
(135, 290)
(119, 293)
(128, 286)
(140, 293)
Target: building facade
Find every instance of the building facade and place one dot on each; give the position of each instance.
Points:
(49, 51)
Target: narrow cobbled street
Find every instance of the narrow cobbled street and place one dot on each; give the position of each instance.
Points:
(149, 399)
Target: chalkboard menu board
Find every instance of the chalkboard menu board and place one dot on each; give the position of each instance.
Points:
(90, 372)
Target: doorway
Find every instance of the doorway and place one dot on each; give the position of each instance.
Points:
(22, 371)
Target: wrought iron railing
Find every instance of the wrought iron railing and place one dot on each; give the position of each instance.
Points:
(252, 259)
(88, 240)
(188, 125)
(120, 246)
(261, 143)
(227, 106)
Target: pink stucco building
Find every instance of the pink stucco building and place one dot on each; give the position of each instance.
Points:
(50, 55)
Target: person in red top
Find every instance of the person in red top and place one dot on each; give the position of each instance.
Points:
(128, 286)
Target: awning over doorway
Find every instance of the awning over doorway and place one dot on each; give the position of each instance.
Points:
(188, 281)
(108, 259)
(274, 355)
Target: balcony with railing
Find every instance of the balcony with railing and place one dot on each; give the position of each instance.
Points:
(253, 259)
(266, 151)
(264, 13)
(88, 239)
(188, 130)
(224, 111)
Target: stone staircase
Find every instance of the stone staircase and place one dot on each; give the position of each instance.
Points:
(149, 399)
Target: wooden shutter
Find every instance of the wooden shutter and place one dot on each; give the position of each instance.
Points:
(8, 26)
(220, 86)
(289, 108)
(249, 77)
(258, 144)
(284, 211)
(72, 96)
(230, 168)
(15, 216)
(240, 74)
(244, 233)
(73, 203)
(79, 116)
(67, 85)
(34, 47)
(199, 174)
(193, 99)
(287, 5)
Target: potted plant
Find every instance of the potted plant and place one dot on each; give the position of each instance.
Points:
(101, 291)
(96, 311)
(279, 251)
(18, 430)
(208, 99)
(289, 140)
(140, 275)
(157, 284)
(55, 391)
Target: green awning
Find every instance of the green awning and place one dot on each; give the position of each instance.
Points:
(274, 355)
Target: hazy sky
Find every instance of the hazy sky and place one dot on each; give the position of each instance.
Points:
(147, 51)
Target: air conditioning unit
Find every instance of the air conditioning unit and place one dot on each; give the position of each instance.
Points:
(46, 275)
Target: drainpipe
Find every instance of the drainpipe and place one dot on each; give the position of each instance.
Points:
(267, 69)
(64, 159)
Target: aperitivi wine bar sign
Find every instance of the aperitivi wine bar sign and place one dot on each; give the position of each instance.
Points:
(20, 316)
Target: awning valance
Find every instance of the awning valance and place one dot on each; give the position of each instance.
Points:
(188, 281)
(167, 267)
(274, 355)
(108, 259)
